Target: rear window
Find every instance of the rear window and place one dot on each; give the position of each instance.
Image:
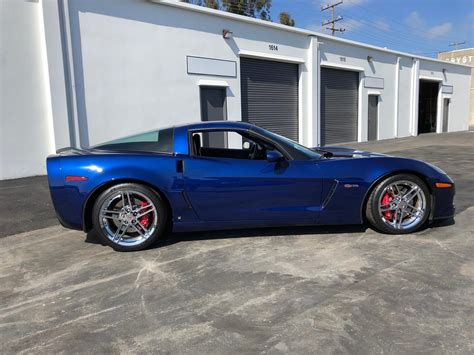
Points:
(160, 141)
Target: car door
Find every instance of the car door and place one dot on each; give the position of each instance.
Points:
(226, 189)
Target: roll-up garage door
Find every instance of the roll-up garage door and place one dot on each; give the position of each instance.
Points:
(269, 92)
(339, 105)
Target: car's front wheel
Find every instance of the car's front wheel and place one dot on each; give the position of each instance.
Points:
(399, 204)
(129, 217)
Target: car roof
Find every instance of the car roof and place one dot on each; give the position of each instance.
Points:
(218, 125)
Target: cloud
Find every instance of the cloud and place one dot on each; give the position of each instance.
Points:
(440, 30)
(414, 20)
(382, 25)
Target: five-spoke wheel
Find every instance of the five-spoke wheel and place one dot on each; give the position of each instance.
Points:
(129, 216)
(399, 204)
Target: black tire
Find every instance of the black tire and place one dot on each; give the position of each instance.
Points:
(141, 190)
(378, 222)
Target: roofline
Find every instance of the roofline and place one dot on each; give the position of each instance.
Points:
(458, 50)
(258, 22)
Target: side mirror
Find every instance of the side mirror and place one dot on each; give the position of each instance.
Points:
(274, 156)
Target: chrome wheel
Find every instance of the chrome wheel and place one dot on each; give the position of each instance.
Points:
(402, 205)
(128, 217)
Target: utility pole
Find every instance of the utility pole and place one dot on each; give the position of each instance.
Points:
(334, 19)
(456, 44)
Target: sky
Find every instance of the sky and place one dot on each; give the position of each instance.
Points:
(423, 27)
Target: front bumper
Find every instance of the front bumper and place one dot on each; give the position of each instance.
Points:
(444, 206)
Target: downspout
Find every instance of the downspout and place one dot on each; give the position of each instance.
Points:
(68, 73)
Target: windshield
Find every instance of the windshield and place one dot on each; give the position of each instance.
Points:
(160, 141)
(301, 149)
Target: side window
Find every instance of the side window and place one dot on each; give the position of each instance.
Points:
(228, 144)
(156, 141)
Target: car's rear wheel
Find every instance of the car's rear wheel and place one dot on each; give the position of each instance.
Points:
(399, 204)
(129, 217)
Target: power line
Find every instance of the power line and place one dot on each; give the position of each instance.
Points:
(367, 9)
(388, 36)
(413, 36)
(456, 44)
(334, 19)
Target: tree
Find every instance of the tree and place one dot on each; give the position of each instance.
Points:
(252, 8)
(285, 19)
(213, 4)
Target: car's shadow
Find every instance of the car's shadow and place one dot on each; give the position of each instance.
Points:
(174, 238)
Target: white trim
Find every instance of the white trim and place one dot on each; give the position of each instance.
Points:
(457, 50)
(218, 83)
(439, 114)
(275, 57)
(341, 66)
(318, 98)
(429, 78)
(300, 105)
(415, 84)
(374, 92)
(397, 93)
(311, 91)
(277, 26)
(359, 109)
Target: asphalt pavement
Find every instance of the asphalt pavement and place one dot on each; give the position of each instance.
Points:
(281, 290)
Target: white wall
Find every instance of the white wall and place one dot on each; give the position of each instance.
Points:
(130, 63)
(25, 115)
(119, 67)
(383, 65)
(398, 121)
(63, 117)
(459, 78)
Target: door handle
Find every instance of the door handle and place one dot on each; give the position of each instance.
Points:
(179, 166)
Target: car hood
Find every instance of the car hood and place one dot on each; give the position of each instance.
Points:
(344, 152)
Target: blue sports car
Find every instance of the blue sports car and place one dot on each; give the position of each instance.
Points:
(224, 175)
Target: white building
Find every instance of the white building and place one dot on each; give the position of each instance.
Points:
(80, 72)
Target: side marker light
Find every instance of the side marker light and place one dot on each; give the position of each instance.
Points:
(443, 185)
(76, 178)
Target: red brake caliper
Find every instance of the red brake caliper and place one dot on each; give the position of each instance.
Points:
(386, 199)
(145, 220)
